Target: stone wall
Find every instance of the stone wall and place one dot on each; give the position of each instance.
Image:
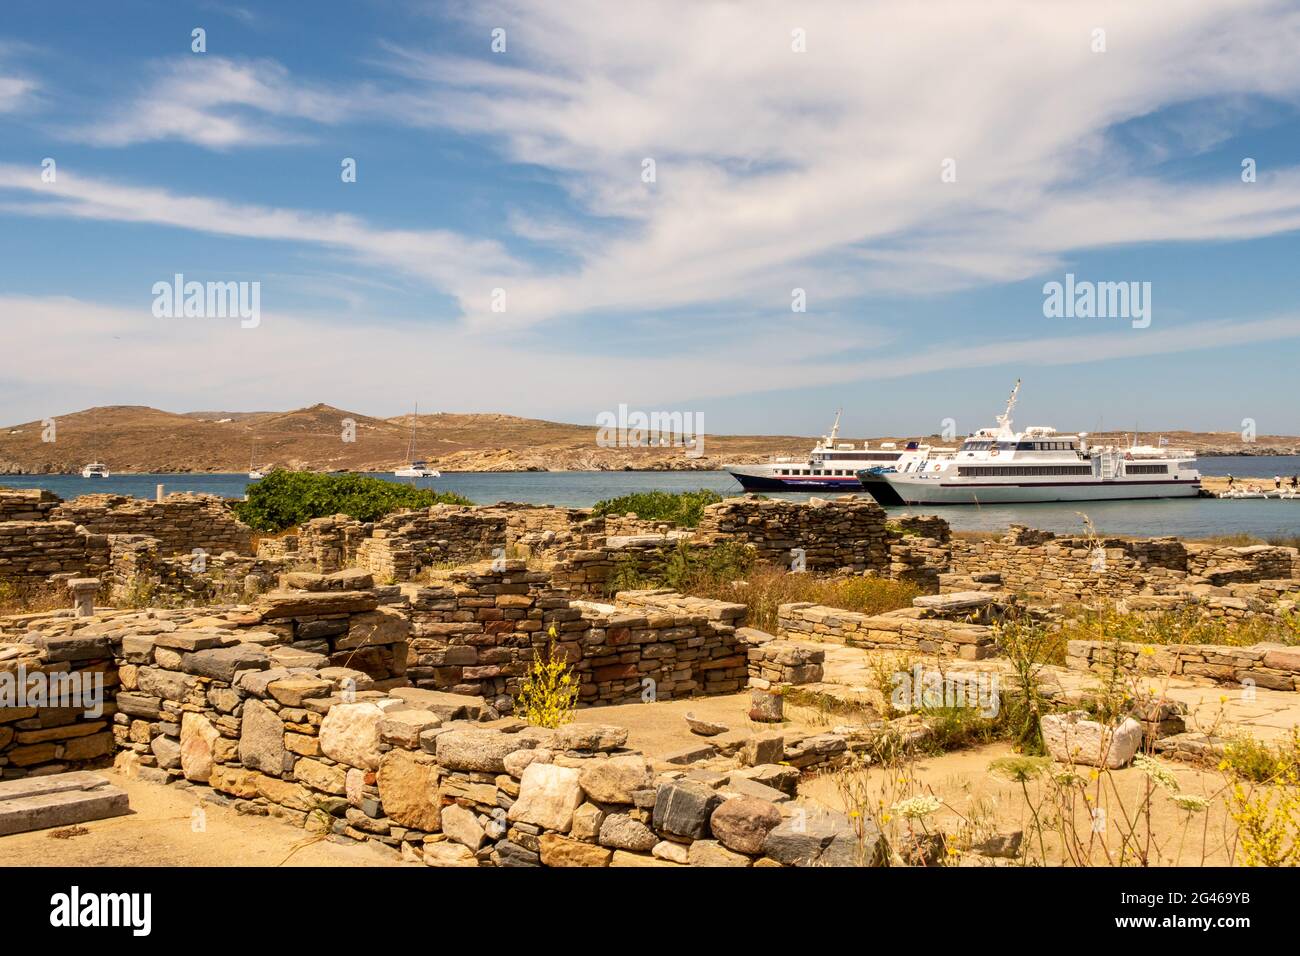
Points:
(1242, 564)
(26, 504)
(479, 632)
(1265, 665)
(238, 705)
(844, 533)
(181, 522)
(908, 630)
(56, 704)
(32, 551)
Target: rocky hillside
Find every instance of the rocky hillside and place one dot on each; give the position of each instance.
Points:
(130, 438)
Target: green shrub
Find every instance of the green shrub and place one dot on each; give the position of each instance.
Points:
(286, 498)
(684, 508)
(682, 568)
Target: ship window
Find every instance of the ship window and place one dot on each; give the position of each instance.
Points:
(1146, 469)
(1021, 471)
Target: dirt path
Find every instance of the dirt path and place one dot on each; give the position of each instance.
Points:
(160, 832)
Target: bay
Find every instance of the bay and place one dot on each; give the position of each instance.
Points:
(1188, 517)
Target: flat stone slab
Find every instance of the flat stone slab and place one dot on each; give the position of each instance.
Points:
(957, 601)
(278, 604)
(58, 800)
(440, 703)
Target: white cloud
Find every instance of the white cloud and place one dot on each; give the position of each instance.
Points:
(437, 256)
(778, 168)
(775, 169)
(220, 103)
(64, 353)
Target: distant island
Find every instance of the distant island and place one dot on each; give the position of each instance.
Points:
(134, 438)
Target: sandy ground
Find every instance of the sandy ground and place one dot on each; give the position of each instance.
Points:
(975, 796)
(159, 832)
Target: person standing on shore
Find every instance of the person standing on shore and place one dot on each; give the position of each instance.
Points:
(1230, 480)
(1277, 482)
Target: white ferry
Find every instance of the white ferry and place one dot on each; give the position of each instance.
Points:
(96, 469)
(1003, 466)
(831, 464)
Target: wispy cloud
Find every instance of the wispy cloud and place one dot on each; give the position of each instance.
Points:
(120, 350)
(439, 257)
(220, 103)
(777, 168)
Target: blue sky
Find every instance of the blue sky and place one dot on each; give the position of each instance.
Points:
(775, 169)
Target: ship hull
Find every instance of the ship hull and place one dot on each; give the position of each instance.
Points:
(892, 490)
(762, 482)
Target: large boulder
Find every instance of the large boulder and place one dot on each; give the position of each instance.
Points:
(198, 741)
(743, 823)
(1073, 738)
(462, 826)
(622, 832)
(261, 739)
(825, 839)
(548, 795)
(682, 808)
(408, 790)
(615, 779)
(588, 737)
(478, 750)
(561, 851)
(350, 734)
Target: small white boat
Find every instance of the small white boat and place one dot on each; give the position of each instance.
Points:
(254, 473)
(417, 467)
(96, 469)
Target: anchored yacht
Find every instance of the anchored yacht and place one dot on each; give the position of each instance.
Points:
(416, 467)
(1003, 466)
(830, 464)
(96, 469)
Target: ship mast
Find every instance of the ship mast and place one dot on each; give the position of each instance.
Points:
(410, 448)
(835, 430)
(1004, 420)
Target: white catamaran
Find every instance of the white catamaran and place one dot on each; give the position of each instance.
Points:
(831, 464)
(416, 467)
(1003, 466)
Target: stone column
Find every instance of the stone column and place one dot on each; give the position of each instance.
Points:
(83, 596)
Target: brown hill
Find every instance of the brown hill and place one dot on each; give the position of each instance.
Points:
(132, 438)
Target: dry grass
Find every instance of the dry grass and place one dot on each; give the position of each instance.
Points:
(1187, 626)
(29, 599)
(764, 589)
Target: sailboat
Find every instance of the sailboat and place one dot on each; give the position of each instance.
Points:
(416, 467)
(253, 473)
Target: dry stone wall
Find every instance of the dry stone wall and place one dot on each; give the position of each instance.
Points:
(908, 630)
(844, 533)
(56, 704)
(26, 504)
(181, 522)
(1265, 665)
(479, 632)
(31, 552)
